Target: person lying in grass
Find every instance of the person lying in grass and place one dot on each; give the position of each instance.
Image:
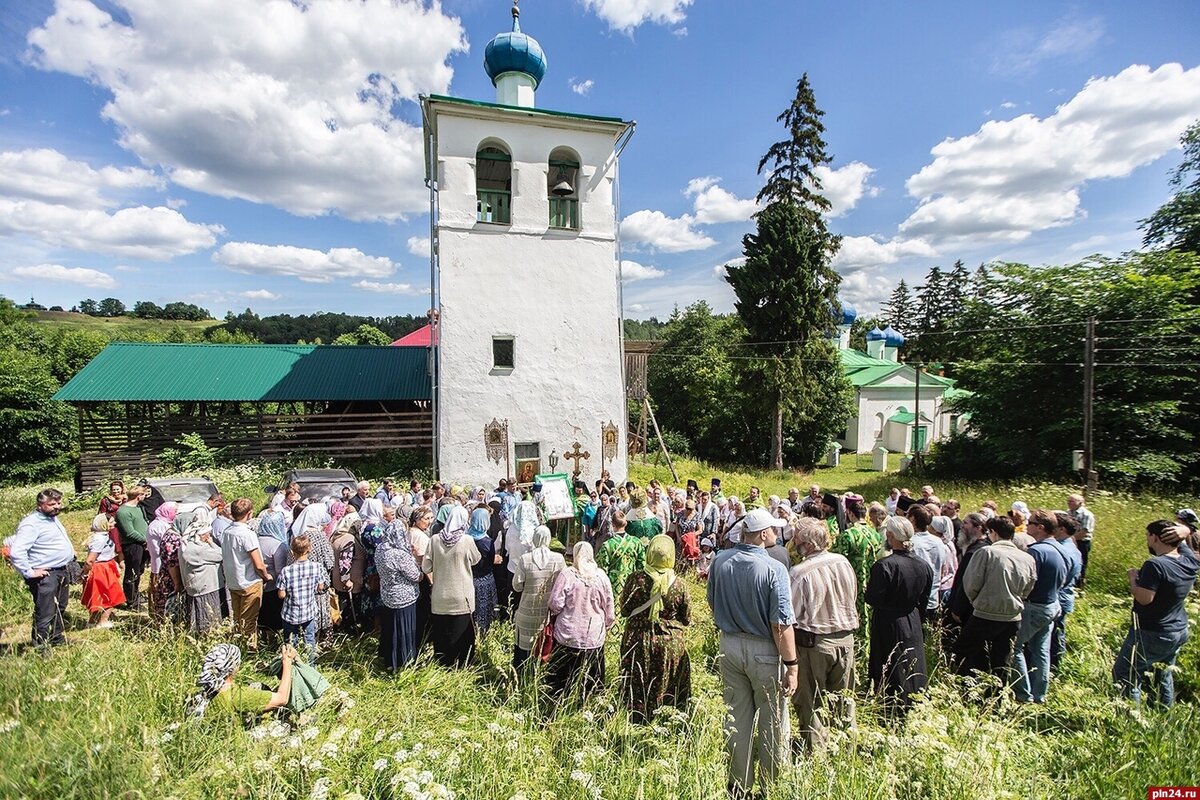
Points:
(218, 688)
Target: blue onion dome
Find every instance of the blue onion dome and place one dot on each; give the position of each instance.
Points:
(515, 52)
(876, 335)
(892, 337)
(849, 313)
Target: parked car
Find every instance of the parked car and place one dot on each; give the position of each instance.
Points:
(316, 484)
(187, 493)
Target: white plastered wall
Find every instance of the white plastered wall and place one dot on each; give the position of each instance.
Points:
(555, 292)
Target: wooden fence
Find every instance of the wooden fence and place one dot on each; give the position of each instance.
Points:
(116, 446)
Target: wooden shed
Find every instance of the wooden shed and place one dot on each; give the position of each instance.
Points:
(258, 401)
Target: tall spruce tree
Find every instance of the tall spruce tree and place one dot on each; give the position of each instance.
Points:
(787, 289)
(898, 310)
(1176, 224)
(933, 314)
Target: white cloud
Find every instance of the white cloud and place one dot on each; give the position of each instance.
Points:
(636, 308)
(859, 252)
(157, 233)
(581, 87)
(389, 288)
(50, 177)
(1022, 51)
(845, 186)
(867, 290)
(715, 205)
(1013, 177)
(720, 270)
(420, 246)
(60, 274)
(176, 203)
(680, 32)
(310, 266)
(126, 268)
(657, 231)
(632, 271)
(1007, 104)
(259, 294)
(278, 102)
(625, 15)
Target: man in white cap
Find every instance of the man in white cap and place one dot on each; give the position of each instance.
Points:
(750, 597)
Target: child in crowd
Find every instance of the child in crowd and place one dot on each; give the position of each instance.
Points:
(298, 585)
(102, 590)
(708, 551)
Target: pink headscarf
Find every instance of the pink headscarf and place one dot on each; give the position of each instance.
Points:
(337, 510)
(166, 511)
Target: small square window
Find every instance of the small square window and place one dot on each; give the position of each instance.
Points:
(503, 352)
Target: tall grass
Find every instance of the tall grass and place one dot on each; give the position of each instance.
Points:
(104, 716)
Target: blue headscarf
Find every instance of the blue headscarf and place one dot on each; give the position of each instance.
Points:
(273, 524)
(480, 520)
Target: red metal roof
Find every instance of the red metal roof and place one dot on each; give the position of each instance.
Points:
(418, 338)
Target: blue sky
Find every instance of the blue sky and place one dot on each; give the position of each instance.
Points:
(235, 153)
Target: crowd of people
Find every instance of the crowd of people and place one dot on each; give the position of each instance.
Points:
(798, 586)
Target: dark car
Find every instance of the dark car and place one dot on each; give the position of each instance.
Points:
(316, 484)
(187, 493)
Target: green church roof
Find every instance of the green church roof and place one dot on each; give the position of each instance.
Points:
(864, 370)
(249, 373)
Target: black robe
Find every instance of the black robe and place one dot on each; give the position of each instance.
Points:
(897, 590)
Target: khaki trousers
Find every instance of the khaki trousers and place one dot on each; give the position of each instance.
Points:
(246, 605)
(757, 727)
(826, 668)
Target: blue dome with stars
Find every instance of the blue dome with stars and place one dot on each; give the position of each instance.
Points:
(515, 52)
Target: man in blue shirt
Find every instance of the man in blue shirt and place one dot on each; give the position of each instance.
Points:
(41, 550)
(1068, 527)
(1031, 654)
(1160, 624)
(750, 597)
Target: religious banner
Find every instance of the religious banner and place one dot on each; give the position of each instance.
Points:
(608, 436)
(495, 440)
(556, 496)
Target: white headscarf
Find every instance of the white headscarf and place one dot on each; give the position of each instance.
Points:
(583, 561)
(539, 542)
(456, 525)
(371, 511)
(316, 515)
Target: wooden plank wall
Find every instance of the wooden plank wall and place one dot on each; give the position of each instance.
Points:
(119, 447)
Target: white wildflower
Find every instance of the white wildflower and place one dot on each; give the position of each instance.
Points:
(379, 735)
(329, 749)
(9, 725)
(166, 737)
(354, 736)
(380, 764)
(311, 733)
(320, 789)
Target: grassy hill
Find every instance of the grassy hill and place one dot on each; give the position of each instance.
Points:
(113, 326)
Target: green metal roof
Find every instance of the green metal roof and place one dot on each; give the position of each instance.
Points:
(160, 373)
(440, 98)
(865, 370)
(906, 417)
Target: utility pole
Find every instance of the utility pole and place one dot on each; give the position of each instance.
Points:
(918, 460)
(1089, 392)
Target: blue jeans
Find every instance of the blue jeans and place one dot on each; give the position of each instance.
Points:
(292, 631)
(1031, 653)
(1150, 652)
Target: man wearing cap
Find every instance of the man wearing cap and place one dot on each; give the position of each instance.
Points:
(750, 598)
(41, 550)
(1192, 521)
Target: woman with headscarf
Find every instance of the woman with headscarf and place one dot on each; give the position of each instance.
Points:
(218, 690)
(273, 543)
(399, 576)
(349, 571)
(419, 523)
(655, 669)
(200, 560)
(498, 533)
(581, 601)
(311, 523)
(897, 591)
(481, 573)
(533, 577)
(449, 560)
(943, 528)
(162, 545)
(102, 590)
(370, 535)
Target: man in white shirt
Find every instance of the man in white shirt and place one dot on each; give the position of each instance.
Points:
(244, 571)
(824, 591)
(41, 550)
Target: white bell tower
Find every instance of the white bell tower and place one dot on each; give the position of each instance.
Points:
(526, 280)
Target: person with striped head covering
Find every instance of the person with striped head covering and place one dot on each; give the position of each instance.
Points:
(217, 687)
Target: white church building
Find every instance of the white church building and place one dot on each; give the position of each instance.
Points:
(891, 410)
(525, 279)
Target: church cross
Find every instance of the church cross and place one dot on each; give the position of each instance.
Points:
(577, 455)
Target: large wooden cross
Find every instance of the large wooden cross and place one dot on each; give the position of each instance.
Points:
(577, 455)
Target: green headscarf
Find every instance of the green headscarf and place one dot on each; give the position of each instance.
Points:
(660, 566)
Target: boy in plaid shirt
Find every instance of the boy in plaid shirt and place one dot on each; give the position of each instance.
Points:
(298, 585)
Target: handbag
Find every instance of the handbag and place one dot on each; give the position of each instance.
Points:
(74, 571)
(544, 645)
(335, 609)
